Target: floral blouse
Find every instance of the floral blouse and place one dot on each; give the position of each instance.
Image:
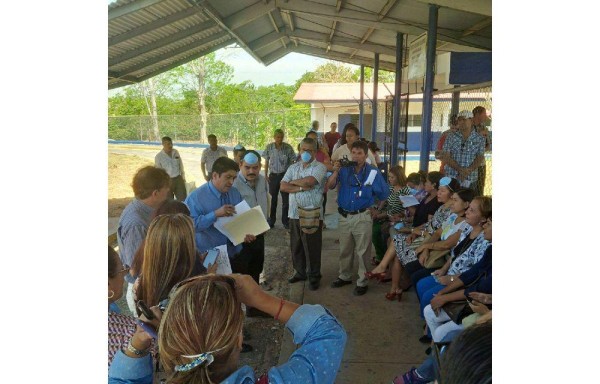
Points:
(469, 257)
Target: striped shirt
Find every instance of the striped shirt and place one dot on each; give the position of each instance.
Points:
(279, 159)
(306, 199)
(394, 205)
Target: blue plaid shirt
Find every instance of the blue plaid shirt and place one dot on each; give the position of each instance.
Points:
(464, 153)
(279, 159)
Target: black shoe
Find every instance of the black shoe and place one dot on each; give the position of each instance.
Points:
(313, 285)
(253, 312)
(247, 335)
(428, 351)
(425, 339)
(247, 348)
(359, 291)
(286, 225)
(296, 278)
(271, 223)
(340, 283)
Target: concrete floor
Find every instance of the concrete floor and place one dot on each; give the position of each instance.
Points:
(382, 335)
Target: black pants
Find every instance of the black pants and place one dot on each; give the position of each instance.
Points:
(251, 259)
(305, 246)
(178, 188)
(417, 272)
(274, 185)
(324, 202)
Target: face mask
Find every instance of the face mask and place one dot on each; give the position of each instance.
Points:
(305, 157)
(413, 191)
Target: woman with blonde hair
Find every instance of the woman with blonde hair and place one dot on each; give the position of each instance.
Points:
(200, 336)
(169, 257)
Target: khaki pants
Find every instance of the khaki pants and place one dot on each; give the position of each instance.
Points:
(355, 237)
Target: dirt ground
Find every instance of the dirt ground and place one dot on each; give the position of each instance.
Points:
(265, 334)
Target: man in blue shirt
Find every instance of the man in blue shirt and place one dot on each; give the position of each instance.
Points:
(212, 200)
(359, 185)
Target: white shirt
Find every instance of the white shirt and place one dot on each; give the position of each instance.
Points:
(209, 157)
(343, 150)
(172, 164)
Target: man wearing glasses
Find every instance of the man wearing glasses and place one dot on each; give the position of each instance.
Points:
(359, 183)
(463, 151)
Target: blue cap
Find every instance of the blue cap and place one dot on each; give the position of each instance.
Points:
(250, 158)
(445, 182)
(238, 147)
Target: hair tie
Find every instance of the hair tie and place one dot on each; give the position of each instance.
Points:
(198, 360)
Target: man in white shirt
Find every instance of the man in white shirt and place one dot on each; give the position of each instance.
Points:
(210, 155)
(170, 160)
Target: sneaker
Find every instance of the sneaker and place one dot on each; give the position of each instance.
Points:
(313, 285)
(359, 291)
(410, 377)
(340, 283)
(286, 226)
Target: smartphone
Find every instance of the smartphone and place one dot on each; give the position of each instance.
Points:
(149, 328)
(144, 309)
(210, 258)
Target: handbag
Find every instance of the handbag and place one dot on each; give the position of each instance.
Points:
(457, 310)
(309, 219)
(436, 258)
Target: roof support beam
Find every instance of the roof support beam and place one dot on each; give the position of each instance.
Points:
(481, 7)
(247, 15)
(343, 42)
(213, 14)
(338, 5)
(161, 43)
(178, 51)
(477, 27)
(276, 55)
(129, 8)
(265, 40)
(135, 32)
(372, 20)
(333, 25)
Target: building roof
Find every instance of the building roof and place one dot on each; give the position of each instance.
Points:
(148, 37)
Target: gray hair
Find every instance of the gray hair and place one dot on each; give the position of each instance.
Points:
(309, 141)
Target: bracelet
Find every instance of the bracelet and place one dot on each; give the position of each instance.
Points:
(134, 350)
(280, 308)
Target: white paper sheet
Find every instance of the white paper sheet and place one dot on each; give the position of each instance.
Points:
(221, 221)
(409, 201)
(223, 265)
(371, 177)
(251, 222)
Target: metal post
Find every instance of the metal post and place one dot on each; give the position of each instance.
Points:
(397, 93)
(455, 102)
(361, 112)
(375, 85)
(427, 92)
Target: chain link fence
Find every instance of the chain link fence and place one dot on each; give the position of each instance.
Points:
(253, 130)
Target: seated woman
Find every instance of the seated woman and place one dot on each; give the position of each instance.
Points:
(477, 279)
(401, 250)
(464, 255)
(128, 344)
(444, 238)
(201, 334)
(169, 257)
(394, 211)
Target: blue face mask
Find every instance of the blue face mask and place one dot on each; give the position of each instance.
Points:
(305, 157)
(413, 191)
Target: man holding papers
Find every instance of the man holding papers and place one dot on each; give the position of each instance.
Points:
(304, 181)
(359, 184)
(212, 200)
(254, 189)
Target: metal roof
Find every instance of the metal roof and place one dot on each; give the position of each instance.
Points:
(148, 37)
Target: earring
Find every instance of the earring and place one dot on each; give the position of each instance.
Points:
(112, 294)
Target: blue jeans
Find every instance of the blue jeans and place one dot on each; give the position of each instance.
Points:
(426, 288)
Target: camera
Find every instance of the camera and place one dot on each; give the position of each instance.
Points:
(344, 162)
